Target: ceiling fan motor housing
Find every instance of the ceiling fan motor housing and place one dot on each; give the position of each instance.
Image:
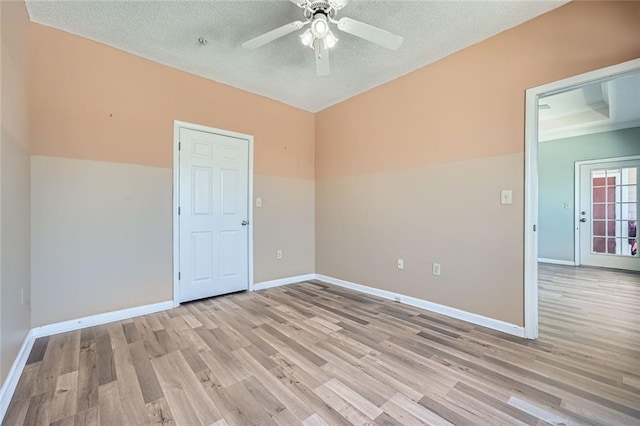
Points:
(314, 8)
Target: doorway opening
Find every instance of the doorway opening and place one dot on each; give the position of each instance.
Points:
(540, 102)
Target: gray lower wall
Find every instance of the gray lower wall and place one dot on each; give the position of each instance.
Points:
(448, 214)
(15, 287)
(556, 184)
(101, 237)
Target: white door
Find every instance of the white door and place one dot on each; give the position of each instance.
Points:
(608, 215)
(213, 214)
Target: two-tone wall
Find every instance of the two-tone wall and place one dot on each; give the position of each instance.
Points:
(102, 144)
(15, 289)
(413, 169)
(556, 184)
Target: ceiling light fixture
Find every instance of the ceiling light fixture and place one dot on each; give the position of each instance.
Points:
(330, 40)
(319, 25)
(319, 30)
(307, 38)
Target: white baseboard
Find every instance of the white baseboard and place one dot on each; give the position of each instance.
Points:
(556, 261)
(11, 381)
(283, 281)
(494, 324)
(98, 319)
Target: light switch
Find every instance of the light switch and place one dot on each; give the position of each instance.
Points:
(259, 202)
(506, 196)
(435, 269)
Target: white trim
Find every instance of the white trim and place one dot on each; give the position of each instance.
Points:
(576, 216)
(531, 217)
(98, 319)
(609, 160)
(476, 319)
(176, 201)
(572, 133)
(177, 125)
(531, 178)
(250, 207)
(283, 281)
(556, 261)
(11, 381)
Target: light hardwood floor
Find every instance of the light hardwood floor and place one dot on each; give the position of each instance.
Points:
(315, 354)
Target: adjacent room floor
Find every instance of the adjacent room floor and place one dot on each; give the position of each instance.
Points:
(316, 354)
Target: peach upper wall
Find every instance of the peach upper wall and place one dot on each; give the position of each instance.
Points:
(91, 101)
(471, 104)
(15, 40)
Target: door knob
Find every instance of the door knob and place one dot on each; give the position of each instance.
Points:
(584, 219)
(244, 222)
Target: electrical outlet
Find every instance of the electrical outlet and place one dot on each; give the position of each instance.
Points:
(567, 206)
(400, 264)
(279, 254)
(435, 269)
(397, 299)
(259, 202)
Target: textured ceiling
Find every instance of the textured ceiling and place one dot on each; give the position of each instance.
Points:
(168, 32)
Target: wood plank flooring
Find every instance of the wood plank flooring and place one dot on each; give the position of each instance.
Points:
(314, 354)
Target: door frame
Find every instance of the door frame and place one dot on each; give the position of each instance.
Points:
(177, 125)
(531, 178)
(576, 191)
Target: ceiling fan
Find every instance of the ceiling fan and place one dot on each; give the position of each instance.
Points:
(319, 37)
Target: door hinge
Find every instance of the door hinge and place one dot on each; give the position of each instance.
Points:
(179, 276)
(535, 228)
(178, 211)
(179, 146)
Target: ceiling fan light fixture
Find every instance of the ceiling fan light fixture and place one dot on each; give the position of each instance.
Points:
(330, 40)
(320, 26)
(307, 38)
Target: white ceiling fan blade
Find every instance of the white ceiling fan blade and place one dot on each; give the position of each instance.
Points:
(370, 33)
(337, 4)
(265, 38)
(322, 58)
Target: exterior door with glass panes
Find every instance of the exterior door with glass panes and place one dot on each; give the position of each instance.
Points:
(608, 215)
